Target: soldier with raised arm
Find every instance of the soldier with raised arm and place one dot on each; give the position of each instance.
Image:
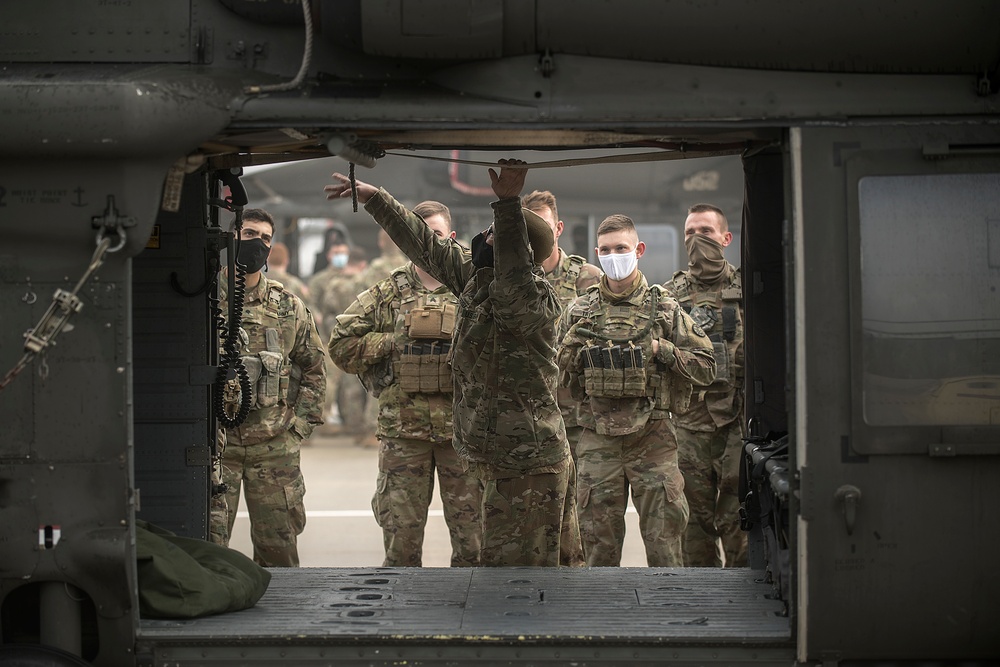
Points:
(396, 337)
(508, 428)
(570, 276)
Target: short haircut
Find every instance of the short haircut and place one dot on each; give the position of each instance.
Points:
(426, 209)
(259, 215)
(278, 254)
(616, 223)
(541, 199)
(708, 208)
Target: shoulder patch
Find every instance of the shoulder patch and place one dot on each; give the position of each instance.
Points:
(367, 301)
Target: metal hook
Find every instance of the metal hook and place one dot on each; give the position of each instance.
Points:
(119, 230)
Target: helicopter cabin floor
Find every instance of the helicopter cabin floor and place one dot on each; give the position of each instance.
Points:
(588, 616)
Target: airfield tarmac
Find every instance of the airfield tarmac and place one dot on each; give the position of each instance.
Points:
(340, 527)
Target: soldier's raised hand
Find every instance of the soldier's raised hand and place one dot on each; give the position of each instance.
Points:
(509, 182)
(341, 188)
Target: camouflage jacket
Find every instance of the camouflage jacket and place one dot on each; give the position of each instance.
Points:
(507, 422)
(370, 339)
(648, 386)
(379, 269)
(291, 388)
(331, 291)
(570, 279)
(718, 310)
(291, 283)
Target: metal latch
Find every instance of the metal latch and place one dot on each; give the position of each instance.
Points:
(848, 496)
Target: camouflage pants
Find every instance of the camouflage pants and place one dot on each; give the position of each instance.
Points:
(274, 488)
(710, 462)
(218, 513)
(573, 434)
(523, 519)
(646, 461)
(570, 543)
(403, 493)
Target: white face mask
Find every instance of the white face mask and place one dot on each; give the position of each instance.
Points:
(339, 260)
(619, 266)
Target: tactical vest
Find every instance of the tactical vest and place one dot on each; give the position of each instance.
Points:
(619, 364)
(720, 317)
(565, 283)
(265, 366)
(424, 327)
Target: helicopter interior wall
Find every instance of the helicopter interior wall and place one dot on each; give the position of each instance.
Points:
(764, 293)
(172, 358)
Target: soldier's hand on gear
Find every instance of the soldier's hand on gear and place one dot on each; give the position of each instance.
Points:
(510, 182)
(656, 346)
(341, 188)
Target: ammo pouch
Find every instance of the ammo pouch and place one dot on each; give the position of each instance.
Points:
(269, 384)
(254, 368)
(614, 371)
(672, 392)
(424, 369)
(723, 373)
(437, 322)
(264, 371)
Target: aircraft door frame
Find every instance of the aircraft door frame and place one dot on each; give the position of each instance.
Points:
(881, 515)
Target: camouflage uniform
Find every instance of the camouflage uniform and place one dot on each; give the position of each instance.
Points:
(331, 291)
(570, 278)
(327, 290)
(292, 283)
(218, 512)
(626, 396)
(396, 336)
(508, 429)
(284, 352)
(379, 269)
(710, 434)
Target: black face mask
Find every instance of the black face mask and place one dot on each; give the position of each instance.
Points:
(253, 254)
(482, 253)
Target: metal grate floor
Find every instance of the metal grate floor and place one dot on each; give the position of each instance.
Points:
(564, 606)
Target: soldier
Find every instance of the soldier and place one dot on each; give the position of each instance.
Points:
(570, 276)
(631, 354)
(277, 269)
(334, 235)
(378, 269)
(331, 291)
(396, 336)
(710, 434)
(508, 428)
(284, 358)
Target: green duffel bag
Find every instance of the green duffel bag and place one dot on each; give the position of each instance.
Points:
(181, 577)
